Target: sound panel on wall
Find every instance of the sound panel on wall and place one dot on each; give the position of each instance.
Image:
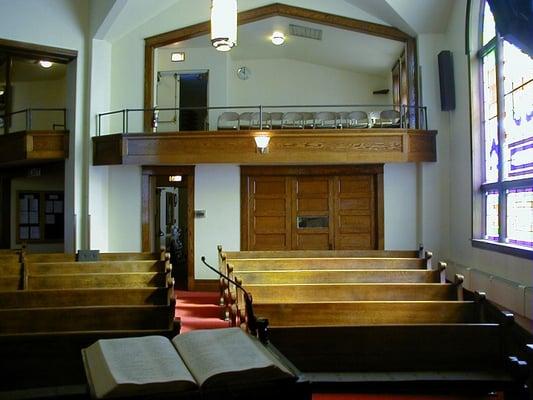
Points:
(447, 81)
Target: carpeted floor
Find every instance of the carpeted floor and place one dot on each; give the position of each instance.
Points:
(200, 310)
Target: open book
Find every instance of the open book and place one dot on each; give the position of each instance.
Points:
(202, 359)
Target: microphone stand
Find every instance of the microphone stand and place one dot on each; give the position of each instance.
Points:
(252, 321)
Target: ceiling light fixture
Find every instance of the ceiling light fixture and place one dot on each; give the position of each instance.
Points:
(45, 64)
(223, 24)
(261, 142)
(278, 38)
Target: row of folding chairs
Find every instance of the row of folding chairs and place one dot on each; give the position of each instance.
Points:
(306, 120)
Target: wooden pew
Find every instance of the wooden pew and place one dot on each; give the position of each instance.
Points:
(58, 268)
(86, 318)
(341, 313)
(71, 257)
(97, 280)
(10, 270)
(289, 293)
(469, 358)
(85, 297)
(340, 276)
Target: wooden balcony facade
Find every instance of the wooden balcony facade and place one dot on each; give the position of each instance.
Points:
(33, 147)
(286, 147)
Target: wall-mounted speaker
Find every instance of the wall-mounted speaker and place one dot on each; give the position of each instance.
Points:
(447, 81)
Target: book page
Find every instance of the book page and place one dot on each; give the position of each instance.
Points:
(136, 365)
(214, 353)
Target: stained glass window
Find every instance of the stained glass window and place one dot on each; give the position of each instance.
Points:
(520, 216)
(492, 224)
(506, 138)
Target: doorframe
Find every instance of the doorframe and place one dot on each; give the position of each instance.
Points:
(149, 174)
(376, 170)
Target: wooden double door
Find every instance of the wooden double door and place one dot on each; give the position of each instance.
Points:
(312, 208)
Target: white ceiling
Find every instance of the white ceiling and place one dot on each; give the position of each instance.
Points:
(411, 16)
(338, 48)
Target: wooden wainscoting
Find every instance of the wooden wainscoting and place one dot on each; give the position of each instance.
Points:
(312, 208)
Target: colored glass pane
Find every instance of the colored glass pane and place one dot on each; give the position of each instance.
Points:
(520, 216)
(518, 117)
(490, 122)
(491, 218)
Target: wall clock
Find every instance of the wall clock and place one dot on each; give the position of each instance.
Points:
(243, 73)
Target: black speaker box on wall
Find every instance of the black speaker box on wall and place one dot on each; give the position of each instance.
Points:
(447, 81)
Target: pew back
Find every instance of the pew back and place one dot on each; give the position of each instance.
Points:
(368, 313)
(339, 276)
(289, 293)
(85, 297)
(97, 280)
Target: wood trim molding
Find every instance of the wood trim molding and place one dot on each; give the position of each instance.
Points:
(299, 170)
(277, 9)
(55, 54)
(148, 177)
(205, 285)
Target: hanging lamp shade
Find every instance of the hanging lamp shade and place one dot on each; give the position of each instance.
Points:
(223, 24)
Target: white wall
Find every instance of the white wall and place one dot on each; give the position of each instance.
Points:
(39, 94)
(217, 191)
(286, 81)
(62, 24)
(399, 192)
(124, 208)
(504, 278)
(433, 178)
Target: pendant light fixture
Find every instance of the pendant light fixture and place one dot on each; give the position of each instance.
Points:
(224, 24)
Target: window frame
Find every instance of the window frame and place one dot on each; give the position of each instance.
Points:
(479, 187)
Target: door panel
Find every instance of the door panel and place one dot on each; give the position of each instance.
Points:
(355, 212)
(269, 201)
(311, 198)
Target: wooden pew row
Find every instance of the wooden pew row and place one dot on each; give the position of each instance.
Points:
(321, 253)
(76, 267)
(269, 264)
(289, 293)
(10, 282)
(225, 257)
(71, 257)
(464, 357)
(85, 319)
(368, 312)
(85, 297)
(97, 280)
(340, 276)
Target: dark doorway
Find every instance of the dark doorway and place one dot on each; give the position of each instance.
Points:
(193, 93)
(168, 218)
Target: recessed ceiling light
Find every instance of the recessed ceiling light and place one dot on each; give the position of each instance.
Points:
(45, 64)
(177, 56)
(278, 38)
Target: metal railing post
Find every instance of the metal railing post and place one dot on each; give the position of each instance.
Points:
(127, 119)
(260, 117)
(123, 120)
(28, 119)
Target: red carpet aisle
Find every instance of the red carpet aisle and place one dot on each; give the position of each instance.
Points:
(198, 310)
